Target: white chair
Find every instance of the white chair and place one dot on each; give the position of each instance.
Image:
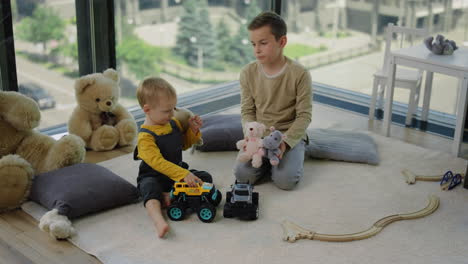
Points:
(404, 78)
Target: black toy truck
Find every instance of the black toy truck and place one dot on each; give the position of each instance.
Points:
(241, 202)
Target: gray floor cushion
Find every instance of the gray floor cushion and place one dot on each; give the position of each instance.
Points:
(81, 189)
(342, 145)
(221, 132)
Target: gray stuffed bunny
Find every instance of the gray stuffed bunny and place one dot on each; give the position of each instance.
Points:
(440, 46)
(271, 144)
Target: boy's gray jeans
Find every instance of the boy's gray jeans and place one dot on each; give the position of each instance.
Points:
(285, 176)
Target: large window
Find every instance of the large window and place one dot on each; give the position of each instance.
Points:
(192, 43)
(196, 44)
(348, 46)
(46, 56)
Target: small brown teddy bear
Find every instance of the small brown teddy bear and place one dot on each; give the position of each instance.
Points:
(183, 115)
(25, 152)
(99, 119)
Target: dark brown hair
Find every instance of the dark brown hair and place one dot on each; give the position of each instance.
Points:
(269, 18)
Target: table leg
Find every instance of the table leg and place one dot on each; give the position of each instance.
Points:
(466, 178)
(427, 95)
(389, 90)
(374, 97)
(461, 111)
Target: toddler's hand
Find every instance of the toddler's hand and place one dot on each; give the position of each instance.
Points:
(195, 123)
(192, 180)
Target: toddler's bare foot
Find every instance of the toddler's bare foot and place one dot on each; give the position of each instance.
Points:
(166, 200)
(162, 228)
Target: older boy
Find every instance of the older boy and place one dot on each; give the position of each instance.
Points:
(275, 91)
(160, 144)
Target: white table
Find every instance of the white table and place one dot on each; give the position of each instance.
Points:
(421, 58)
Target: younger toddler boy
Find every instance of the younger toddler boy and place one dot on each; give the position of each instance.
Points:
(160, 144)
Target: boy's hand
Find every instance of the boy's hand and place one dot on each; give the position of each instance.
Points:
(282, 147)
(195, 123)
(192, 180)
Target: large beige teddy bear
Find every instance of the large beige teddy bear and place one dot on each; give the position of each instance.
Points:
(99, 119)
(25, 152)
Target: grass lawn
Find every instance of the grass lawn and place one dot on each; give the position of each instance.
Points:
(339, 34)
(295, 50)
(167, 54)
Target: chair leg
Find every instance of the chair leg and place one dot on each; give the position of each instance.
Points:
(412, 105)
(380, 94)
(373, 101)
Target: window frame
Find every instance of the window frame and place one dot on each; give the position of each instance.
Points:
(96, 35)
(8, 77)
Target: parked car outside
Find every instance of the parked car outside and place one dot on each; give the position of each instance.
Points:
(127, 88)
(38, 94)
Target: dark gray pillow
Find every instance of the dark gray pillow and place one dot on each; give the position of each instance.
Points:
(342, 145)
(81, 189)
(221, 132)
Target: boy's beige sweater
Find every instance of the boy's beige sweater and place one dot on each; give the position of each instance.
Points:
(283, 101)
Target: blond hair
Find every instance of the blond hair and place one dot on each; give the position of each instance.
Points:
(152, 89)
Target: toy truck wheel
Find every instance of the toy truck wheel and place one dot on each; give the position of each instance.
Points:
(228, 197)
(254, 215)
(255, 198)
(176, 212)
(206, 213)
(216, 197)
(227, 212)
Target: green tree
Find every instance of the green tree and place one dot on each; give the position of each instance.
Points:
(241, 49)
(27, 7)
(187, 29)
(140, 57)
(68, 49)
(206, 36)
(196, 35)
(252, 11)
(224, 40)
(44, 25)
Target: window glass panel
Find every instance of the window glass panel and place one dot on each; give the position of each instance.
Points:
(343, 44)
(193, 44)
(46, 56)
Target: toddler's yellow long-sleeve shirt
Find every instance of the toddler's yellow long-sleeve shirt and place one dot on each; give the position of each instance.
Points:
(149, 152)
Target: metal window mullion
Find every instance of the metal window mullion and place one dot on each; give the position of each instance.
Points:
(92, 35)
(8, 76)
(276, 6)
(96, 35)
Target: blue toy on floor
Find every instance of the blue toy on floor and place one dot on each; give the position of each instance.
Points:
(450, 181)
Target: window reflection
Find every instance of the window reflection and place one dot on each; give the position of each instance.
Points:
(196, 44)
(193, 44)
(342, 41)
(46, 56)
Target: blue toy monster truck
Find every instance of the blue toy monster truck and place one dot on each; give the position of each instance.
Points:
(241, 202)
